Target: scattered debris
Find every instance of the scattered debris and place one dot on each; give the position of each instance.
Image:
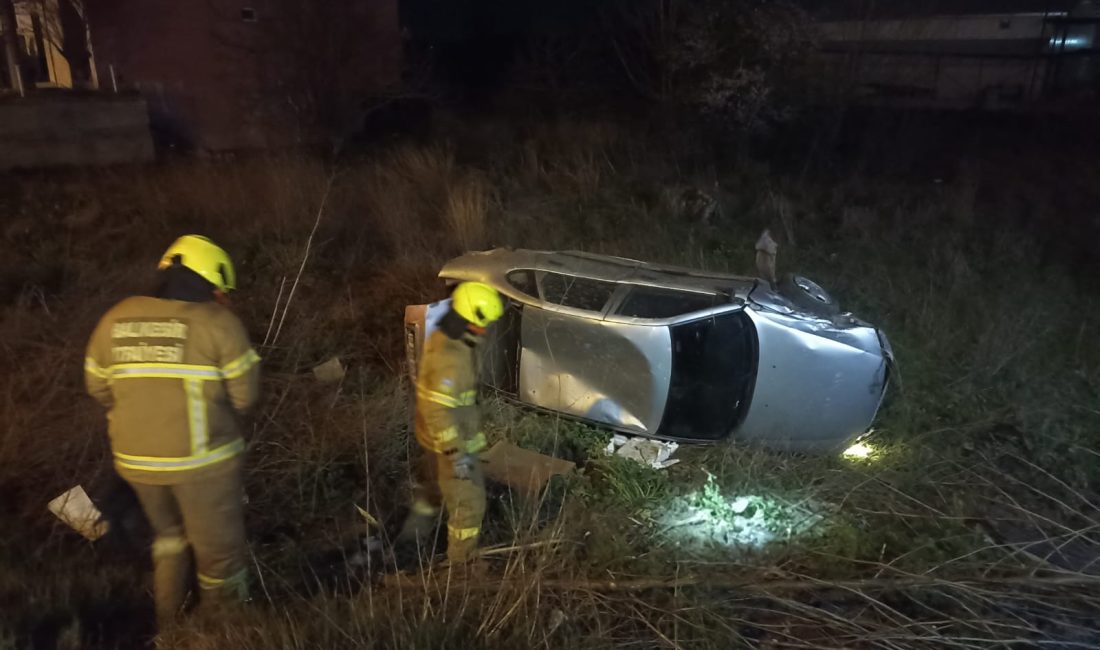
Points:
(367, 517)
(522, 469)
(655, 453)
(75, 508)
(330, 371)
(766, 251)
(366, 547)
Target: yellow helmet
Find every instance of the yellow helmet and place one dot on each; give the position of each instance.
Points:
(478, 303)
(203, 257)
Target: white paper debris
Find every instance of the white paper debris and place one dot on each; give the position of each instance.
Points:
(76, 509)
(740, 505)
(617, 440)
(330, 371)
(368, 546)
(655, 453)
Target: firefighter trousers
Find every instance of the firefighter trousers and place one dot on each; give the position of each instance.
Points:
(200, 518)
(464, 500)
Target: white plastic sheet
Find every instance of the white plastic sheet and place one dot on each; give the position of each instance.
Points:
(655, 453)
(75, 508)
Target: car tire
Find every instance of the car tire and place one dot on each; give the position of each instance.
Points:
(808, 295)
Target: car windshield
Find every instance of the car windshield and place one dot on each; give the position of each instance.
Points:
(713, 374)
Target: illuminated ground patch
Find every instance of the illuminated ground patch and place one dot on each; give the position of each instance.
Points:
(708, 519)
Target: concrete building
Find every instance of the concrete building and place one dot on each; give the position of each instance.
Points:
(223, 75)
(988, 54)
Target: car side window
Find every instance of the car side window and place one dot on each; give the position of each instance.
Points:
(524, 281)
(650, 302)
(579, 293)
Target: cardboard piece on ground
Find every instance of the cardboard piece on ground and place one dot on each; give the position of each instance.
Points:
(330, 371)
(75, 508)
(522, 469)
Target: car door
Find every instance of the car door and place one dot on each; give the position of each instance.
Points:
(574, 362)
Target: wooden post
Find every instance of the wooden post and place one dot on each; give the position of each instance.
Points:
(9, 27)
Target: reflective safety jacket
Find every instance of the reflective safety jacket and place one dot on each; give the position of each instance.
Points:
(173, 375)
(447, 418)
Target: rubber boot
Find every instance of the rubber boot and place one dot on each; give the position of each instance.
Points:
(222, 594)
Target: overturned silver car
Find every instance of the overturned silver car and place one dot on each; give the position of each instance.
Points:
(675, 353)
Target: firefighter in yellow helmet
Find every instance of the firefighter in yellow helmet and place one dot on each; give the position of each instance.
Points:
(176, 371)
(448, 424)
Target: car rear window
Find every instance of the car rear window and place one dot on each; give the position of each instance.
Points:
(579, 293)
(650, 302)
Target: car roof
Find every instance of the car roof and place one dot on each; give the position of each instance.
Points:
(493, 266)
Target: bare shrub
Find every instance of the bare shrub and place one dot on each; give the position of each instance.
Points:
(731, 62)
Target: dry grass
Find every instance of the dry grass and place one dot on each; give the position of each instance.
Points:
(467, 215)
(992, 417)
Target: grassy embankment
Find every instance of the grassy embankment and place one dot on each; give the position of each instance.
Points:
(995, 412)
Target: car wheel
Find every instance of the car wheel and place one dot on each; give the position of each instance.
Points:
(808, 295)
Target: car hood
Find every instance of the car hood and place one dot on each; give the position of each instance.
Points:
(818, 385)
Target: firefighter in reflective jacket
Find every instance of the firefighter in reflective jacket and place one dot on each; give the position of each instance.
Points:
(447, 424)
(175, 371)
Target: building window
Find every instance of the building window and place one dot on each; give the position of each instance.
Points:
(248, 15)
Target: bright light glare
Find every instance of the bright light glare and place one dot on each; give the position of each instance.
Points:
(859, 451)
(1071, 42)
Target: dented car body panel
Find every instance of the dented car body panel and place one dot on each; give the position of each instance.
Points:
(675, 353)
(813, 392)
(612, 373)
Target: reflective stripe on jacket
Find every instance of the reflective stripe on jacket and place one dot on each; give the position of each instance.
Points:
(173, 375)
(446, 397)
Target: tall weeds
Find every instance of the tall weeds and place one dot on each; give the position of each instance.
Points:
(990, 412)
